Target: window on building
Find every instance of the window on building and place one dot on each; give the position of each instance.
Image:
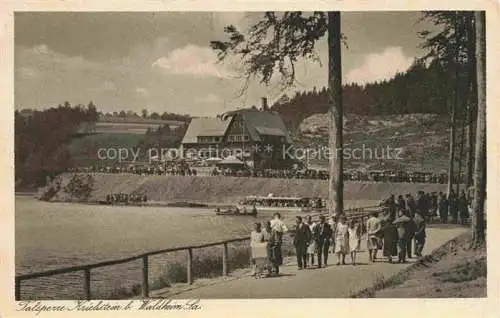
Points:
(238, 138)
(208, 140)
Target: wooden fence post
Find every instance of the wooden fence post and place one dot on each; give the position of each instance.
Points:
(18, 289)
(190, 266)
(86, 283)
(224, 260)
(145, 276)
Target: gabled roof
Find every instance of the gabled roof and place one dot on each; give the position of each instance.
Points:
(257, 123)
(264, 123)
(204, 126)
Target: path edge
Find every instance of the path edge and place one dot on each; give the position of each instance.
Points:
(403, 274)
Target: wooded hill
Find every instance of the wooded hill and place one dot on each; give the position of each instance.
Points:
(421, 89)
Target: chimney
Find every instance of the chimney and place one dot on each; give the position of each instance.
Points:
(264, 104)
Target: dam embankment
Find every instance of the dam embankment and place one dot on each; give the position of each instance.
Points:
(227, 190)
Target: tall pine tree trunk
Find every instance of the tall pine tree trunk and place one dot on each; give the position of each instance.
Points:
(478, 228)
(461, 151)
(451, 154)
(471, 99)
(336, 182)
(453, 106)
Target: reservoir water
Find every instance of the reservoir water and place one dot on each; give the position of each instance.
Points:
(55, 235)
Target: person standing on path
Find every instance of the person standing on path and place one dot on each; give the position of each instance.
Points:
(421, 205)
(333, 221)
(391, 205)
(411, 205)
(280, 229)
(301, 239)
(374, 230)
(463, 208)
(258, 244)
(410, 231)
(341, 240)
(311, 248)
(277, 224)
(274, 255)
(322, 235)
(452, 203)
(390, 231)
(402, 227)
(401, 203)
(434, 204)
(443, 208)
(420, 235)
(354, 239)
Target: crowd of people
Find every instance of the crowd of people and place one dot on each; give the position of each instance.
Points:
(449, 209)
(311, 241)
(141, 170)
(398, 230)
(349, 175)
(315, 203)
(124, 198)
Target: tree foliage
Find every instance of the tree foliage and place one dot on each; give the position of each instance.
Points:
(41, 139)
(421, 89)
(274, 45)
(450, 35)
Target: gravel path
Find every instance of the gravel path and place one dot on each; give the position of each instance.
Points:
(330, 282)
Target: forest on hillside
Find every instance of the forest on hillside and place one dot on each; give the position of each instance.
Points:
(421, 89)
(45, 140)
(41, 139)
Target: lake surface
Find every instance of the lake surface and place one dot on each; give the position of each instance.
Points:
(55, 235)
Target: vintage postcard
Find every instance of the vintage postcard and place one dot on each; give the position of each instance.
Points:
(202, 158)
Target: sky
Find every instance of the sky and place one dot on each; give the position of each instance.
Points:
(162, 61)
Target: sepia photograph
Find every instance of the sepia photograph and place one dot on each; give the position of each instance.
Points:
(249, 155)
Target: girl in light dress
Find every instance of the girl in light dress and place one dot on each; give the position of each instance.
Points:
(354, 231)
(258, 244)
(342, 240)
(311, 248)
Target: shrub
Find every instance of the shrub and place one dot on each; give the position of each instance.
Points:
(464, 272)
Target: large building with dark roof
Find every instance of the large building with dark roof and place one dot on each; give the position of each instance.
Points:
(259, 136)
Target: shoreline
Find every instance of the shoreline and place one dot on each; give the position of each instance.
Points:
(221, 191)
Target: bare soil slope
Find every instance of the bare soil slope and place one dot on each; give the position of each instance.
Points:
(458, 272)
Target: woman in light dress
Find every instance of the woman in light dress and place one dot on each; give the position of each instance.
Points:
(342, 240)
(258, 244)
(354, 231)
(311, 248)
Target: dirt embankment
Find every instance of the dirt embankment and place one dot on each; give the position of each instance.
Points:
(454, 271)
(227, 190)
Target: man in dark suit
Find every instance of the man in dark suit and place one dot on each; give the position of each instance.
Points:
(421, 205)
(411, 205)
(300, 241)
(322, 236)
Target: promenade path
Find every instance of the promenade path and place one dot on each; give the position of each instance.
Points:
(329, 282)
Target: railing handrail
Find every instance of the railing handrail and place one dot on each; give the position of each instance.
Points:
(77, 268)
(144, 256)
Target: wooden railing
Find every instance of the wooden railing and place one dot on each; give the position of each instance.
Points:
(87, 268)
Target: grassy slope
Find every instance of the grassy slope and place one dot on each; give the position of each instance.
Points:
(84, 149)
(455, 272)
(422, 137)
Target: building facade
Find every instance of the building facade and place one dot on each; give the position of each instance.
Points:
(256, 136)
